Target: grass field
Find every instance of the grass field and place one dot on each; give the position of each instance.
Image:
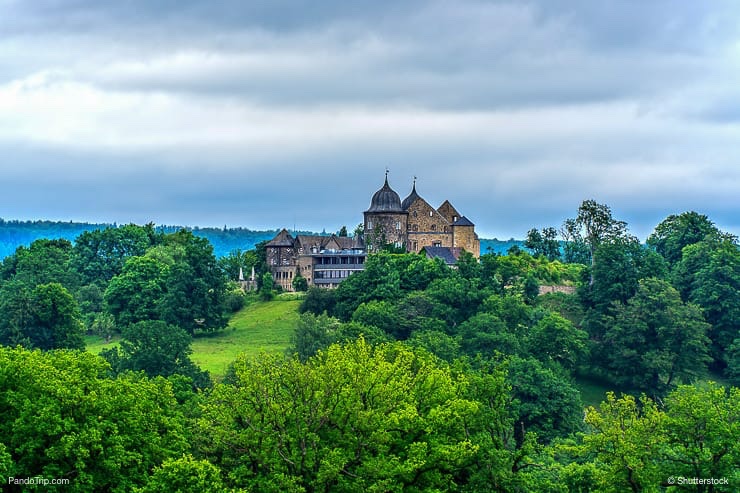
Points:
(259, 327)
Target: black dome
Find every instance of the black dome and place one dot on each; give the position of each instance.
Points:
(385, 200)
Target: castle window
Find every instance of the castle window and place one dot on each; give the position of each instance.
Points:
(414, 214)
(431, 213)
(433, 227)
(398, 225)
(454, 219)
(436, 243)
(369, 225)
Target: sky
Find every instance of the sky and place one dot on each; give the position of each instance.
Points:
(274, 113)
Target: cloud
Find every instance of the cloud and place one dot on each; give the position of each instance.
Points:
(267, 113)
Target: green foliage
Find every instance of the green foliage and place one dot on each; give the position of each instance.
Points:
(45, 261)
(100, 255)
(158, 349)
(625, 439)
(300, 283)
(678, 231)
(354, 418)
(314, 332)
(655, 340)
(543, 243)
(132, 295)
(61, 416)
(185, 475)
(267, 291)
(45, 317)
(554, 339)
(638, 446)
(379, 281)
(592, 226)
(709, 275)
(319, 300)
(545, 402)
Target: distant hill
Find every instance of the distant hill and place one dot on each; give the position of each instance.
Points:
(15, 233)
(224, 240)
(499, 246)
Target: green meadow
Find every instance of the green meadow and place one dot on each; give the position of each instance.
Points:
(260, 327)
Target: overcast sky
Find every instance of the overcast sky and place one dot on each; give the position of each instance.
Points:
(277, 113)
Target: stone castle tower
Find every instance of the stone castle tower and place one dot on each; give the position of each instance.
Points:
(415, 225)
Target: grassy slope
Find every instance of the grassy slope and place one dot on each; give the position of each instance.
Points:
(260, 327)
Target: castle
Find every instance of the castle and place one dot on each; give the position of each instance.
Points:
(411, 224)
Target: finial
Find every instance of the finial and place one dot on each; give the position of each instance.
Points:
(386, 174)
(414, 182)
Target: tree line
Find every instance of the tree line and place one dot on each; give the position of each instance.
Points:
(410, 376)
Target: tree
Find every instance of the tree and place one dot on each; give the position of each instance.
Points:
(195, 286)
(158, 349)
(300, 283)
(378, 281)
(185, 475)
(544, 402)
(313, 333)
(355, 418)
(342, 231)
(702, 426)
(318, 301)
(62, 416)
(44, 261)
(543, 243)
(132, 295)
(593, 226)
(624, 440)
(709, 275)
(655, 340)
(554, 339)
(45, 317)
(100, 255)
(678, 231)
(267, 291)
(238, 259)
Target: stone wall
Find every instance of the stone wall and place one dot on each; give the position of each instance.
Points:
(417, 241)
(557, 289)
(391, 224)
(465, 237)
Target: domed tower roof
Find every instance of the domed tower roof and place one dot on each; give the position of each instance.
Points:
(385, 200)
(411, 198)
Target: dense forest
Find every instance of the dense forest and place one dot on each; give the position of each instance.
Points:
(410, 376)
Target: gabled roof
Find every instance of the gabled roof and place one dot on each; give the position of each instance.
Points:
(326, 242)
(463, 221)
(448, 254)
(282, 239)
